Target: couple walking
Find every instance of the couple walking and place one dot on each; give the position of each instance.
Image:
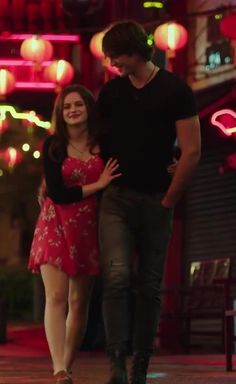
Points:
(116, 151)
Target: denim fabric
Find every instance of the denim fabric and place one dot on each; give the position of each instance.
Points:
(132, 224)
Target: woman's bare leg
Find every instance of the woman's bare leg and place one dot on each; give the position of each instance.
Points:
(80, 289)
(56, 285)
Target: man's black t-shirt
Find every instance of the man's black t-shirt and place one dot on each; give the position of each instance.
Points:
(138, 127)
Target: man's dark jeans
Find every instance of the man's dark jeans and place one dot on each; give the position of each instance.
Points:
(132, 223)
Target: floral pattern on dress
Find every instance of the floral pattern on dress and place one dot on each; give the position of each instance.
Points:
(66, 234)
(49, 213)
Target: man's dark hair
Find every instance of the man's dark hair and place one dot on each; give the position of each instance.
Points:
(126, 38)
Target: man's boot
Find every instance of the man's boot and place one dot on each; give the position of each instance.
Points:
(139, 368)
(118, 368)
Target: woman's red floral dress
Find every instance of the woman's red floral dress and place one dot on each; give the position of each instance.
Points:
(66, 234)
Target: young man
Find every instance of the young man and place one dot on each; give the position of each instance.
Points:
(143, 111)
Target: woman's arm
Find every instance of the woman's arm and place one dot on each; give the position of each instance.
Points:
(59, 193)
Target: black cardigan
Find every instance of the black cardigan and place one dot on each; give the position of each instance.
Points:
(56, 189)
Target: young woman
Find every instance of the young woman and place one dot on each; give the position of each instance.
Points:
(64, 247)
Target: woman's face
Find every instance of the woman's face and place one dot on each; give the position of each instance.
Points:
(74, 109)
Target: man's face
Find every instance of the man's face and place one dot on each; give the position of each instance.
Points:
(126, 64)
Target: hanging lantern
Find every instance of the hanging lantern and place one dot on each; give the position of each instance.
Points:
(96, 45)
(227, 26)
(36, 49)
(170, 36)
(7, 81)
(59, 72)
(12, 157)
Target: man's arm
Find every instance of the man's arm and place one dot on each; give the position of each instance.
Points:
(189, 140)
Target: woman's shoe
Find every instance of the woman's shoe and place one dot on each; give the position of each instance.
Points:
(62, 377)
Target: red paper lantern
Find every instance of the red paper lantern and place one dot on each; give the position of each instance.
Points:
(36, 49)
(96, 45)
(59, 72)
(7, 81)
(12, 157)
(170, 36)
(227, 26)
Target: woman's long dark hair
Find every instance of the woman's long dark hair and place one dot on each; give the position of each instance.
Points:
(57, 148)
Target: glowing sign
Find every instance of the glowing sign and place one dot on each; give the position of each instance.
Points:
(225, 120)
(153, 4)
(30, 116)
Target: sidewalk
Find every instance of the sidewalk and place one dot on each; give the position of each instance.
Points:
(25, 359)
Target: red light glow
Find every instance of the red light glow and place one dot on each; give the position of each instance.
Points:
(50, 37)
(34, 85)
(20, 62)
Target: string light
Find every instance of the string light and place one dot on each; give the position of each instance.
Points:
(150, 40)
(25, 147)
(36, 154)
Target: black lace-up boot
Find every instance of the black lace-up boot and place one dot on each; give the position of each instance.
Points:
(139, 368)
(118, 368)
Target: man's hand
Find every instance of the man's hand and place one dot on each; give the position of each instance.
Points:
(189, 140)
(172, 167)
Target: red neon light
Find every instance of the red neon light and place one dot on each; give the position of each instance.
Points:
(20, 62)
(225, 120)
(34, 85)
(50, 37)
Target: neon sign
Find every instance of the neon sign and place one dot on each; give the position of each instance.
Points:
(153, 4)
(30, 116)
(225, 120)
